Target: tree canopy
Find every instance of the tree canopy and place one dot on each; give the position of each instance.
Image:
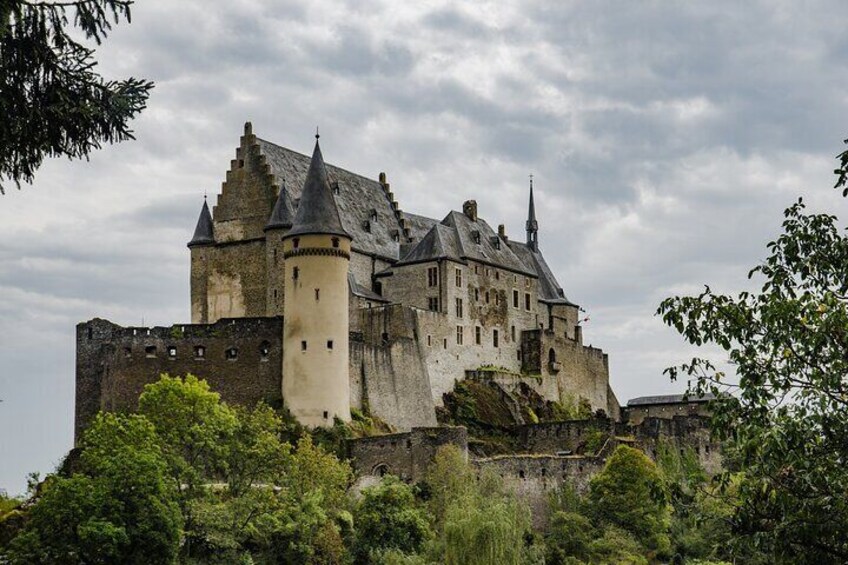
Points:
(784, 413)
(52, 100)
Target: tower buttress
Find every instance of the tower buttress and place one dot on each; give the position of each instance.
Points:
(316, 385)
(201, 245)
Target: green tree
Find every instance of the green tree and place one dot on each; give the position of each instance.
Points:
(52, 101)
(568, 538)
(629, 493)
(118, 509)
(389, 517)
(785, 412)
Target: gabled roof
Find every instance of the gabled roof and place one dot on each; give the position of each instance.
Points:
(203, 233)
(359, 200)
(670, 399)
(317, 211)
(283, 214)
(359, 290)
(549, 289)
(438, 243)
(478, 242)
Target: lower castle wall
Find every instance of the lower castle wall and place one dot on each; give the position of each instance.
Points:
(115, 363)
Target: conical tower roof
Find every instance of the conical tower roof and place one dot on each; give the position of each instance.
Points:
(203, 234)
(283, 214)
(317, 212)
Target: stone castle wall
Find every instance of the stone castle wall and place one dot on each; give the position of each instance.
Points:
(241, 359)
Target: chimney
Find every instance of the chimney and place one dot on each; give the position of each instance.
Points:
(502, 232)
(382, 178)
(469, 208)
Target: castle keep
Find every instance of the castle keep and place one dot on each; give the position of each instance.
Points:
(312, 288)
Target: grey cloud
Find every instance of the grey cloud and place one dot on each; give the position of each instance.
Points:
(665, 140)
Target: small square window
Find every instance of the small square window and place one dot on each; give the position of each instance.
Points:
(150, 351)
(172, 352)
(231, 354)
(199, 352)
(329, 344)
(326, 414)
(303, 345)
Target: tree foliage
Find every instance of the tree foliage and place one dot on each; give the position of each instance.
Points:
(52, 101)
(389, 518)
(787, 417)
(118, 509)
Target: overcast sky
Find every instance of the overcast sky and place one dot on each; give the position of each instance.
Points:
(665, 140)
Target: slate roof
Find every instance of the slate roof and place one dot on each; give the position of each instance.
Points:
(359, 290)
(317, 211)
(669, 399)
(203, 233)
(359, 199)
(549, 289)
(283, 214)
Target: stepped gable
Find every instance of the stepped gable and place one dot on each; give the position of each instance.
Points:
(358, 199)
(549, 289)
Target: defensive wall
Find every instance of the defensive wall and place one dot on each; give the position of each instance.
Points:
(240, 358)
(554, 452)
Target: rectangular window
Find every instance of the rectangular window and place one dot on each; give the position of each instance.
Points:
(497, 297)
(495, 338)
(476, 295)
(476, 269)
(433, 303)
(459, 335)
(303, 346)
(329, 344)
(527, 301)
(459, 307)
(317, 293)
(512, 332)
(515, 299)
(432, 276)
(459, 277)
(478, 331)
(429, 340)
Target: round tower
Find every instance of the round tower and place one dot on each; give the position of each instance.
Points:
(316, 251)
(202, 246)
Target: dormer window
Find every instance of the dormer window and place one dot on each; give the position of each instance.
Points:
(475, 236)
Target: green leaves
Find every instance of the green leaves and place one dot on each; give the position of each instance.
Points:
(787, 411)
(51, 100)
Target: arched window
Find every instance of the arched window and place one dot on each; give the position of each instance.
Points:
(551, 356)
(380, 470)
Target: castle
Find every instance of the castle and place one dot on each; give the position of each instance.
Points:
(312, 288)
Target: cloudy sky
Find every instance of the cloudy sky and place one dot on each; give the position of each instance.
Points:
(665, 138)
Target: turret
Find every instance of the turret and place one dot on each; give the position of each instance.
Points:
(280, 221)
(201, 246)
(316, 387)
(532, 225)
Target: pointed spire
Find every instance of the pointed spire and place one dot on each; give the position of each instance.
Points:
(283, 214)
(532, 225)
(203, 234)
(317, 212)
